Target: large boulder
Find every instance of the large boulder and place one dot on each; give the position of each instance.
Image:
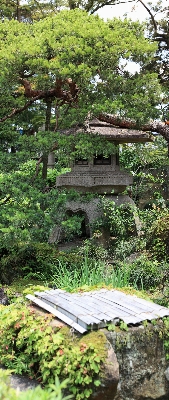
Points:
(143, 367)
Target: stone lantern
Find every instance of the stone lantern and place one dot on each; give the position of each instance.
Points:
(100, 175)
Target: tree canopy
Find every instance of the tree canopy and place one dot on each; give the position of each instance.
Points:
(50, 60)
(55, 71)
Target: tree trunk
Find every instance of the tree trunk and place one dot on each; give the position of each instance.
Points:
(47, 128)
(48, 115)
(73, 4)
(18, 12)
(13, 149)
(44, 166)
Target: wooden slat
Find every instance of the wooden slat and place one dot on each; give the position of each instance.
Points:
(115, 297)
(140, 303)
(155, 307)
(133, 320)
(132, 309)
(143, 302)
(107, 318)
(101, 304)
(91, 306)
(97, 308)
(122, 310)
(77, 311)
(141, 314)
(97, 318)
(59, 315)
(111, 314)
(145, 306)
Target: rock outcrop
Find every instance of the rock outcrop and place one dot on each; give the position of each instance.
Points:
(143, 368)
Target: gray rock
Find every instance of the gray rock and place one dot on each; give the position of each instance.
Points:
(167, 374)
(110, 379)
(20, 382)
(3, 298)
(144, 370)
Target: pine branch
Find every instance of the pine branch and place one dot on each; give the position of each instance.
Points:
(160, 127)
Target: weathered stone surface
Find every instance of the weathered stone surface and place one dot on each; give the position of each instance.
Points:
(110, 381)
(21, 382)
(3, 298)
(167, 374)
(96, 178)
(91, 210)
(142, 364)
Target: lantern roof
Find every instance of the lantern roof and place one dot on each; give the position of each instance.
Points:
(111, 132)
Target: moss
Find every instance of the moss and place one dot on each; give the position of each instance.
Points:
(133, 292)
(22, 286)
(95, 339)
(98, 340)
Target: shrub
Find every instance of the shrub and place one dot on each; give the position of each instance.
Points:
(119, 219)
(126, 248)
(92, 250)
(35, 260)
(158, 237)
(72, 227)
(23, 260)
(29, 344)
(145, 272)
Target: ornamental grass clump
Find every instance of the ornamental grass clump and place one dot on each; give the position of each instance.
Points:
(91, 273)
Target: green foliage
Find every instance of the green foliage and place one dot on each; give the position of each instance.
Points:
(118, 219)
(126, 248)
(26, 260)
(158, 239)
(90, 273)
(20, 288)
(29, 344)
(145, 323)
(148, 164)
(35, 261)
(53, 393)
(90, 54)
(72, 227)
(28, 211)
(85, 267)
(93, 251)
(111, 327)
(123, 326)
(165, 335)
(145, 272)
(155, 229)
(161, 35)
(79, 145)
(43, 262)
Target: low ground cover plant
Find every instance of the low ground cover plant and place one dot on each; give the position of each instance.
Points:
(29, 344)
